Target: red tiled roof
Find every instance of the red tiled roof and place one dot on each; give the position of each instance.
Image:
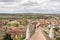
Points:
(39, 35)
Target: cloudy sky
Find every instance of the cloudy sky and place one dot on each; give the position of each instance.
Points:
(29, 6)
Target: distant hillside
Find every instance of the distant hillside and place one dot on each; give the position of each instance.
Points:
(28, 15)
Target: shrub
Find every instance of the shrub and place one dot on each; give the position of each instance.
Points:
(7, 37)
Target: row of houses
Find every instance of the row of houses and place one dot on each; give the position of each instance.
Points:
(32, 23)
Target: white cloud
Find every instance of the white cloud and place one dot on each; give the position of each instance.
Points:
(33, 6)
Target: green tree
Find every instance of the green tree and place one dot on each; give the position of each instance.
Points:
(7, 37)
(21, 37)
(9, 24)
(15, 24)
(24, 22)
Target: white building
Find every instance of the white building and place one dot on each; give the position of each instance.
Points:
(27, 34)
(51, 33)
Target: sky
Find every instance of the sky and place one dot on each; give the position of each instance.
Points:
(29, 6)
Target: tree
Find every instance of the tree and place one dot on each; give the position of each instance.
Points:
(9, 24)
(21, 37)
(24, 22)
(15, 24)
(7, 37)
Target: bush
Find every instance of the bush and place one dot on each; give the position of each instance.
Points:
(7, 37)
(21, 38)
